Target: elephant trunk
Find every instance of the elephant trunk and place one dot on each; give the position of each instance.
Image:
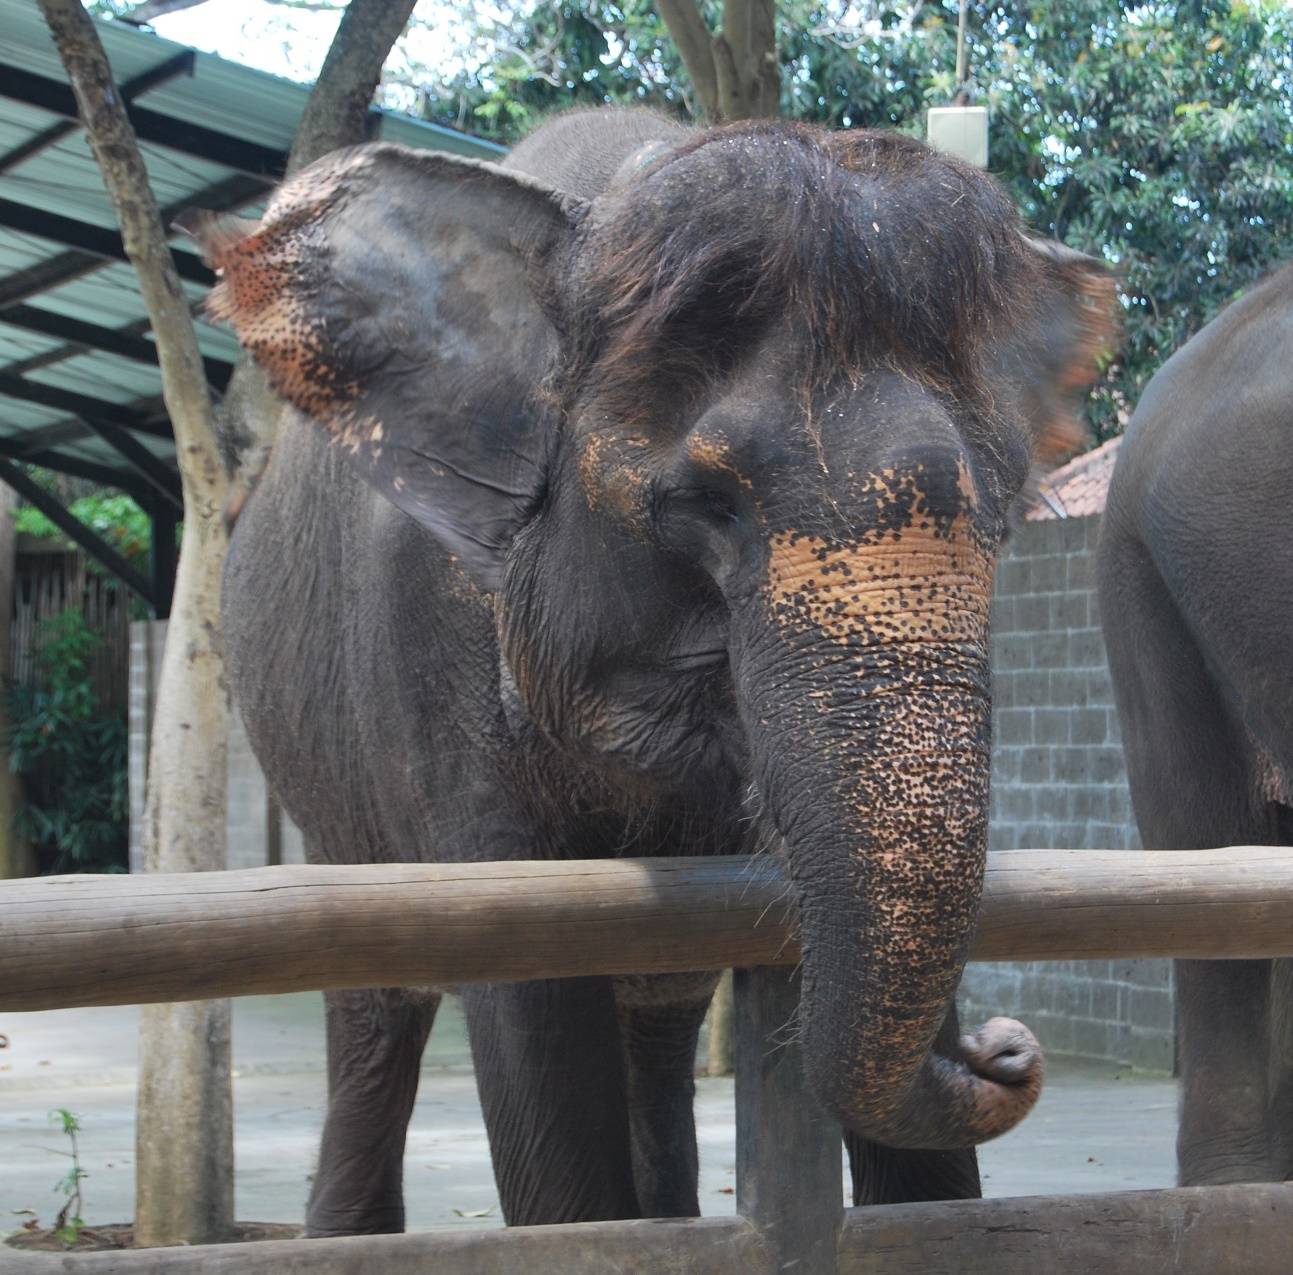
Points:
(865, 677)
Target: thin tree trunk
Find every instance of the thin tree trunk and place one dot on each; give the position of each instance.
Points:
(184, 1159)
(184, 1128)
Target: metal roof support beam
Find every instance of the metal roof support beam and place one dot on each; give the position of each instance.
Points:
(120, 341)
(85, 237)
(164, 480)
(136, 86)
(158, 477)
(222, 196)
(163, 130)
(40, 437)
(91, 410)
(119, 479)
(76, 530)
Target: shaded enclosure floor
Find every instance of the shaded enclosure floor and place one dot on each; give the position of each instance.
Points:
(1096, 1128)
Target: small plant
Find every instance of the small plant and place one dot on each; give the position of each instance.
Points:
(69, 1224)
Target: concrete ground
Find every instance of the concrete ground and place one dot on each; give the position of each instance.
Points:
(1096, 1128)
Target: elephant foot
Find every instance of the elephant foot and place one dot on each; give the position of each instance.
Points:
(325, 1224)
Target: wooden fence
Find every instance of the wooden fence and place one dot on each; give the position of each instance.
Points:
(75, 941)
(50, 579)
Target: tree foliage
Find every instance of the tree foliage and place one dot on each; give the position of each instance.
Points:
(111, 514)
(1158, 135)
(71, 754)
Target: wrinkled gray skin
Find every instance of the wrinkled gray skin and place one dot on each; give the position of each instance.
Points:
(655, 690)
(1196, 590)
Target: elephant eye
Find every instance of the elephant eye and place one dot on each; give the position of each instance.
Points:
(705, 502)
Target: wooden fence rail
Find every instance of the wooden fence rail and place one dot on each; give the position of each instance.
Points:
(75, 941)
(1227, 1230)
(104, 940)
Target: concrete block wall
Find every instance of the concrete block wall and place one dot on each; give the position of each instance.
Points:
(248, 809)
(1059, 782)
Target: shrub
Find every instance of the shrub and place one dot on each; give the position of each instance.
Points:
(71, 755)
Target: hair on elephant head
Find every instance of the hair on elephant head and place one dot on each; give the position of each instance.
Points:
(730, 434)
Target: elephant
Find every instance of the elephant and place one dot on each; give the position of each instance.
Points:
(640, 495)
(1195, 579)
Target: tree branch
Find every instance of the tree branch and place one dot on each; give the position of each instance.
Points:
(337, 113)
(764, 66)
(695, 46)
(746, 59)
(112, 138)
(150, 10)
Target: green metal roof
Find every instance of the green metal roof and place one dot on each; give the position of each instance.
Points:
(75, 350)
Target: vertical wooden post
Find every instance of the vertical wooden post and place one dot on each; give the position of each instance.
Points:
(789, 1168)
(273, 829)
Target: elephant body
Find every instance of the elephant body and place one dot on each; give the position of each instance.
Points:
(552, 559)
(1195, 574)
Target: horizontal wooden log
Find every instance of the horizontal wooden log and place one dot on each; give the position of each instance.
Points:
(1192, 1231)
(703, 1246)
(106, 940)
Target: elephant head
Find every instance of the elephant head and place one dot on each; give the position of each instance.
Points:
(731, 446)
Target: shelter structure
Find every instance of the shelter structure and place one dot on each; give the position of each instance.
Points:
(80, 389)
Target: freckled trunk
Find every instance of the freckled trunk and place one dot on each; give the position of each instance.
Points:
(867, 689)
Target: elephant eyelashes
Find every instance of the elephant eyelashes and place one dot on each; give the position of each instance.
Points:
(717, 506)
(695, 521)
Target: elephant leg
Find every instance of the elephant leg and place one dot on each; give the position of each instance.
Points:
(889, 1175)
(660, 1018)
(1224, 1046)
(375, 1043)
(550, 1070)
(1190, 771)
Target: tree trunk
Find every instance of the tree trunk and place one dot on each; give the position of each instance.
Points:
(184, 1132)
(16, 859)
(735, 73)
(184, 1122)
(184, 1156)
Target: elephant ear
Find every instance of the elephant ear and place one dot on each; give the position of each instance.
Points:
(390, 295)
(1055, 352)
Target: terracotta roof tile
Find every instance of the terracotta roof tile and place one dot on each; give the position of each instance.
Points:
(1077, 489)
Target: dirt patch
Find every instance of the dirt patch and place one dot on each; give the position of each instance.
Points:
(122, 1235)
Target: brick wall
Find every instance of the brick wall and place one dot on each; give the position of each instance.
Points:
(1059, 782)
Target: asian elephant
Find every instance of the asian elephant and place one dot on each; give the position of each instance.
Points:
(1195, 573)
(640, 496)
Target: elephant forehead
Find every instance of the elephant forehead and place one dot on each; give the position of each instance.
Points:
(711, 450)
(919, 584)
(614, 473)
